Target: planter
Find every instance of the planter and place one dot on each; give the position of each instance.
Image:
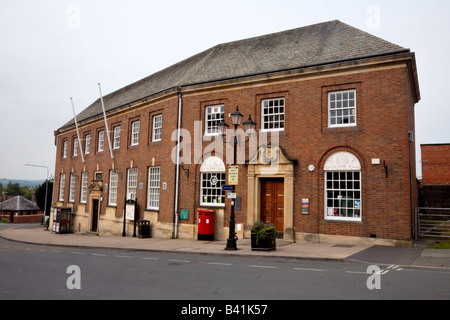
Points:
(268, 243)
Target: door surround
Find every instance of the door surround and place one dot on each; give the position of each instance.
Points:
(270, 162)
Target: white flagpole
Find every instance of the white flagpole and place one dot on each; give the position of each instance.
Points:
(78, 132)
(106, 123)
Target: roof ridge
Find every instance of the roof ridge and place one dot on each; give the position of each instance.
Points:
(277, 33)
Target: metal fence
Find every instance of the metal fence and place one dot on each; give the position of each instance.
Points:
(433, 223)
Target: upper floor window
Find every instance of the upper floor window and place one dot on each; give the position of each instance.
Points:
(214, 114)
(65, 149)
(116, 137)
(135, 133)
(101, 140)
(273, 112)
(157, 127)
(88, 144)
(342, 108)
(75, 147)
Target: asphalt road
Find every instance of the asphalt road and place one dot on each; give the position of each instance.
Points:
(54, 273)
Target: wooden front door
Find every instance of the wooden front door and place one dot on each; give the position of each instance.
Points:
(95, 205)
(272, 203)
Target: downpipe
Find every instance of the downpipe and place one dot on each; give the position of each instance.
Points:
(177, 176)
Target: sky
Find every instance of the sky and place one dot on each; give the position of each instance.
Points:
(52, 50)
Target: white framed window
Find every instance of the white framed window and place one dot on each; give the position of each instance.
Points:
(88, 144)
(132, 183)
(135, 133)
(113, 185)
(72, 187)
(62, 185)
(153, 188)
(84, 186)
(213, 177)
(342, 108)
(116, 137)
(343, 188)
(65, 149)
(101, 140)
(214, 114)
(273, 114)
(75, 147)
(157, 128)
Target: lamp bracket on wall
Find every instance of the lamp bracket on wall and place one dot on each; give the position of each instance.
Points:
(386, 169)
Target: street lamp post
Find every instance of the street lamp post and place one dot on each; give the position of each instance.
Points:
(236, 119)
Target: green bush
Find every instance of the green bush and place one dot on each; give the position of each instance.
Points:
(260, 229)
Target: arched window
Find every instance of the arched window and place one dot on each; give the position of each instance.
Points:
(212, 178)
(342, 187)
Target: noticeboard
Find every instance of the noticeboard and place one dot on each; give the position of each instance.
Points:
(130, 210)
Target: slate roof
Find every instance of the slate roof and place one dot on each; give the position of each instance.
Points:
(314, 45)
(18, 203)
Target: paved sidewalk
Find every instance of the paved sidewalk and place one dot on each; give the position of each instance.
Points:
(373, 254)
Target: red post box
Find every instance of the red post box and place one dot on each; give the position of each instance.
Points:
(206, 224)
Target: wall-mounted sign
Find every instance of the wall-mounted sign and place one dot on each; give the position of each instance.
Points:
(233, 173)
(184, 215)
(305, 206)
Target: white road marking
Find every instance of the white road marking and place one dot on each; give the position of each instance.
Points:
(305, 269)
(266, 267)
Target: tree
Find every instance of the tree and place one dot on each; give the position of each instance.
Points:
(14, 189)
(40, 196)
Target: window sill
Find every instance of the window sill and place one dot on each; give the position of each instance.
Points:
(272, 130)
(342, 129)
(214, 205)
(338, 221)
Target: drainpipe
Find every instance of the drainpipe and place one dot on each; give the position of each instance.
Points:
(177, 177)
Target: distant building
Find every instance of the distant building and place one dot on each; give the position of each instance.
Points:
(20, 210)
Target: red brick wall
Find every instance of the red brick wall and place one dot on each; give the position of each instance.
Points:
(33, 218)
(436, 164)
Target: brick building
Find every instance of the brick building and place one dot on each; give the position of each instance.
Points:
(20, 210)
(334, 108)
(435, 189)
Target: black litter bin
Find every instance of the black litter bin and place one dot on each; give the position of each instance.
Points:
(144, 229)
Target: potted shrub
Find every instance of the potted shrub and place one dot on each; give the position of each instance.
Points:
(263, 237)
